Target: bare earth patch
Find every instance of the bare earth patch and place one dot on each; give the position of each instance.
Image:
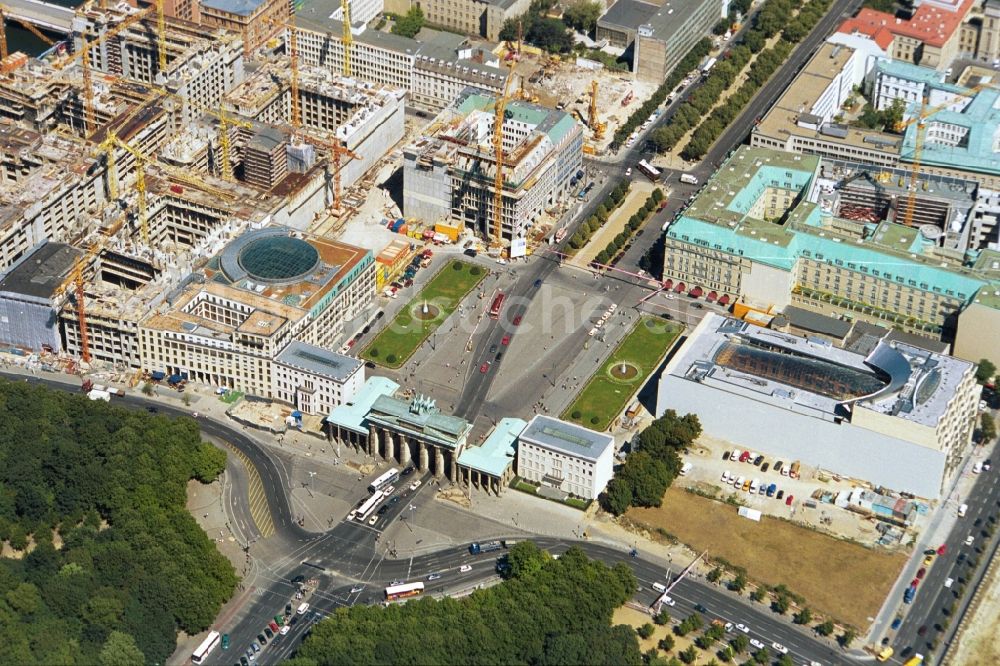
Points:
(977, 643)
(839, 579)
(636, 618)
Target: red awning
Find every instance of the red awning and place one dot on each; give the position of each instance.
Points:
(711, 296)
(680, 287)
(668, 284)
(724, 300)
(695, 292)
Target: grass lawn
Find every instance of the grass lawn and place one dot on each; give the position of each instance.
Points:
(405, 333)
(605, 396)
(842, 580)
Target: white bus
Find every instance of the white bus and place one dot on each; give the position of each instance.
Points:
(392, 476)
(362, 512)
(206, 647)
(689, 179)
(394, 592)
(648, 170)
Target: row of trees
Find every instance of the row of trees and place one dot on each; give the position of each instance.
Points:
(607, 255)
(688, 63)
(774, 17)
(546, 612)
(601, 215)
(653, 463)
(94, 497)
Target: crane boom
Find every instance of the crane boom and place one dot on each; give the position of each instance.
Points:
(348, 37)
(161, 36)
(337, 151)
(501, 105)
(293, 42)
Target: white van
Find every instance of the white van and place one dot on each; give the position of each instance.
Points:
(660, 587)
(753, 486)
(962, 509)
(977, 468)
(739, 482)
(303, 609)
(686, 468)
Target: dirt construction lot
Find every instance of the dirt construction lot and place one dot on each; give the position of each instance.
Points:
(839, 579)
(977, 643)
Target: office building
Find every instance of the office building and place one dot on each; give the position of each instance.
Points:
(565, 456)
(885, 413)
(315, 380)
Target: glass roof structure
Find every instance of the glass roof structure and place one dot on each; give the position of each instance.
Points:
(275, 259)
(812, 374)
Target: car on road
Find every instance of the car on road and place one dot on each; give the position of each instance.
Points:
(434, 576)
(987, 464)
(415, 485)
(244, 661)
(728, 626)
(393, 499)
(152, 410)
(498, 357)
(493, 349)
(397, 582)
(700, 608)
(285, 629)
(298, 579)
(756, 644)
(744, 628)
(382, 509)
(921, 573)
(357, 588)
(465, 568)
(885, 654)
(669, 601)
(778, 647)
(628, 172)
(225, 641)
(922, 631)
(517, 320)
(374, 519)
(408, 471)
(484, 368)
(928, 559)
(961, 558)
(506, 340)
(969, 539)
(942, 549)
(895, 623)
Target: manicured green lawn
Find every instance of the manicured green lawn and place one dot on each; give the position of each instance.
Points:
(604, 396)
(405, 333)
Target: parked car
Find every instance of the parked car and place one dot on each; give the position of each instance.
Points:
(744, 456)
(929, 559)
(506, 340)
(764, 467)
(921, 573)
(896, 623)
(777, 466)
(758, 460)
(942, 549)
(725, 455)
(493, 349)
(781, 493)
(788, 500)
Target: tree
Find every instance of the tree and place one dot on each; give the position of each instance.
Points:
(602, 213)
(689, 655)
(714, 575)
(550, 34)
(525, 559)
(721, 26)
(410, 23)
(761, 656)
(986, 371)
(147, 388)
(785, 660)
(846, 638)
(739, 583)
(804, 616)
(662, 618)
(646, 630)
(120, 650)
(758, 594)
(740, 643)
(666, 643)
(825, 628)
(582, 15)
(893, 116)
(617, 497)
(781, 604)
(987, 428)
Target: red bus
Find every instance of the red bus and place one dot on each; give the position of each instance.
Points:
(497, 305)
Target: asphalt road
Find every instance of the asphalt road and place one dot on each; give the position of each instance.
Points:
(923, 622)
(347, 557)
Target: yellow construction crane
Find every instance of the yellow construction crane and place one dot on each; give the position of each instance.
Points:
(107, 146)
(161, 36)
(595, 124)
(293, 62)
(500, 108)
(4, 17)
(337, 151)
(348, 37)
(224, 123)
(918, 143)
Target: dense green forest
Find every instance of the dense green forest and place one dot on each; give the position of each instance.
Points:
(548, 612)
(115, 563)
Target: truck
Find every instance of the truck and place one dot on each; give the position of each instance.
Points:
(707, 67)
(689, 179)
(96, 394)
(560, 234)
(794, 470)
(911, 592)
(486, 547)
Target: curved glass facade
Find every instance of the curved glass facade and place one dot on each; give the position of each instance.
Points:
(807, 373)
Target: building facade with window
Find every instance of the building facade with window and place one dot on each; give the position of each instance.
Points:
(315, 380)
(565, 456)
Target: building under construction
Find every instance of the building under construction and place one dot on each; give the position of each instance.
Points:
(449, 174)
